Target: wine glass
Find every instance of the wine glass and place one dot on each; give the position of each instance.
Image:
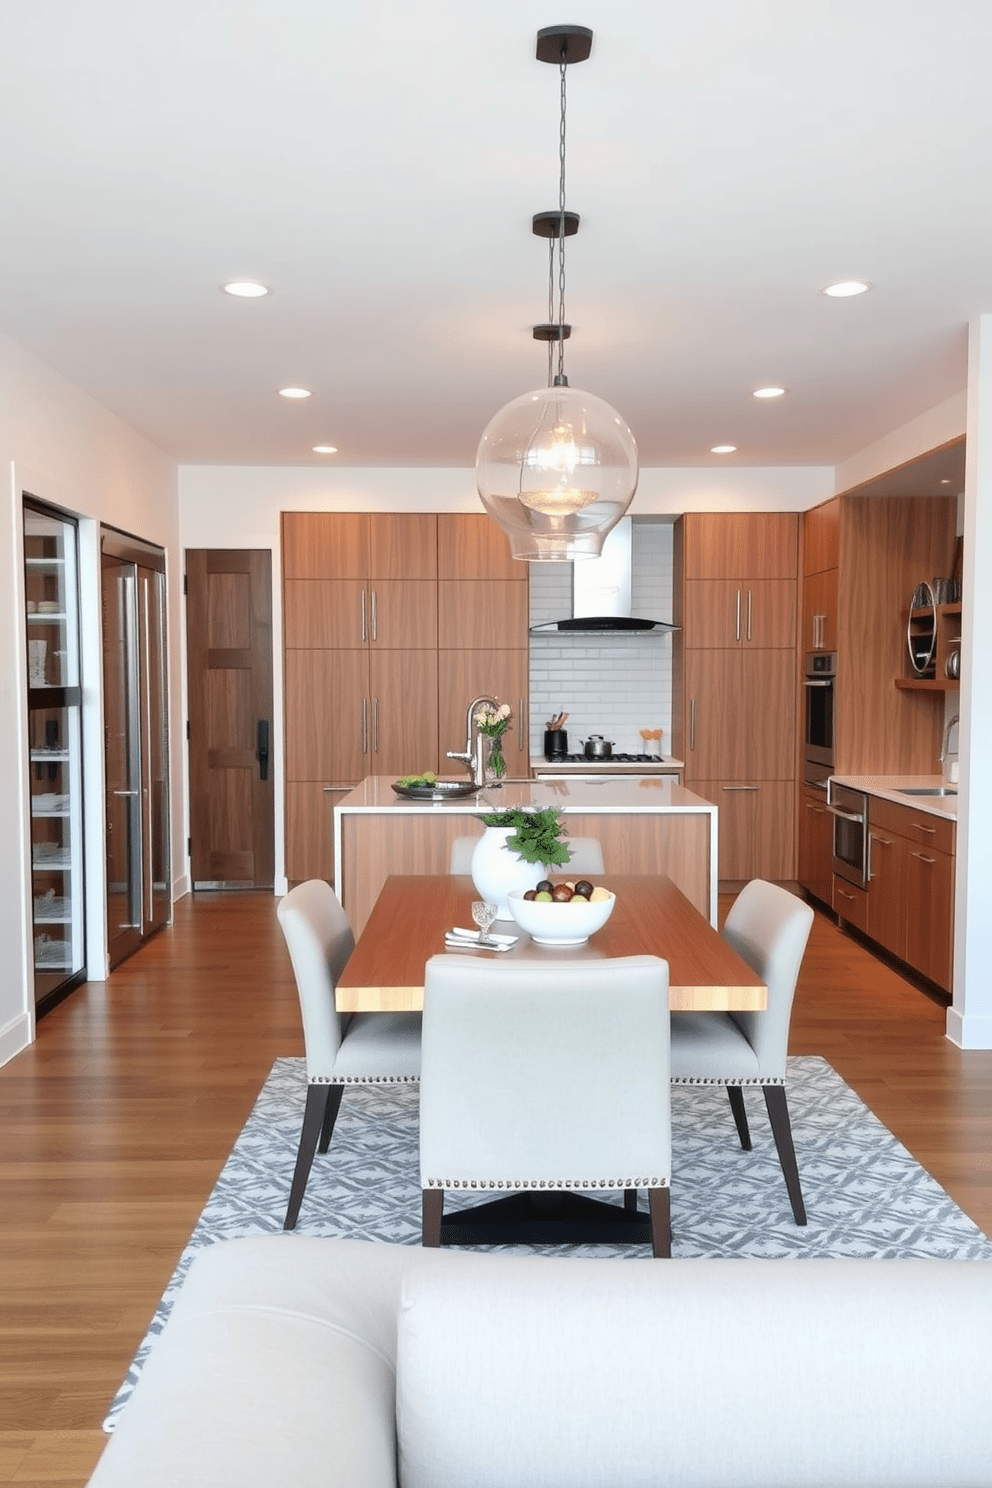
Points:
(483, 914)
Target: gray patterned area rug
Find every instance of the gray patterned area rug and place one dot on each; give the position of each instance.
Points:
(865, 1195)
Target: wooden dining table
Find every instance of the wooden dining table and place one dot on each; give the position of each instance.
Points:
(407, 926)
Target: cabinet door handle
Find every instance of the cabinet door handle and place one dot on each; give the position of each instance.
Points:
(364, 633)
(738, 614)
(375, 621)
(692, 723)
(885, 841)
(931, 831)
(336, 789)
(520, 724)
(924, 859)
(749, 614)
(375, 725)
(365, 725)
(740, 787)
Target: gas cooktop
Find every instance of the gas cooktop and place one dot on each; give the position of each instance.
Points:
(614, 759)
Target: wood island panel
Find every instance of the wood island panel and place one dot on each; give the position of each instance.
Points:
(373, 846)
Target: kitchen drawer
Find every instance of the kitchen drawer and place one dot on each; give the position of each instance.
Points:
(911, 822)
(851, 903)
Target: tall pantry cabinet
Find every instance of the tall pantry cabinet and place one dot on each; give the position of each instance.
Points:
(735, 578)
(360, 636)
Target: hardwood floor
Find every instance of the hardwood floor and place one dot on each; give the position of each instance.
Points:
(117, 1121)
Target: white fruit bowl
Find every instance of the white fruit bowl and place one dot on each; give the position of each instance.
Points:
(555, 924)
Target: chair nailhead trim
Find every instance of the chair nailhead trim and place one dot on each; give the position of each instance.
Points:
(364, 1080)
(543, 1183)
(704, 1080)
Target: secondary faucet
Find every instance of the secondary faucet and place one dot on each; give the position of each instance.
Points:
(473, 755)
(945, 748)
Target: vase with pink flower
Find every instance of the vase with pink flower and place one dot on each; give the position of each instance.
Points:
(492, 724)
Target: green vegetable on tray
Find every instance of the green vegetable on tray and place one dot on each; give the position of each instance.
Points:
(428, 778)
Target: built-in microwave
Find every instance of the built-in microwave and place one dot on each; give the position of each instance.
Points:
(819, 685)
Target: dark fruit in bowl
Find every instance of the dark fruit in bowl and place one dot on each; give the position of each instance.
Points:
(561, 894)
(545, 886)
(583, 887)
(531, 894)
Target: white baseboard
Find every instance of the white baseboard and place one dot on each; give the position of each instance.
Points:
(15, 1036)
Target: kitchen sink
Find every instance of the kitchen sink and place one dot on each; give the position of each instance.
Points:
(926, 790)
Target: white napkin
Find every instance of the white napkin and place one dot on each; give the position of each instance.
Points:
(467, 940)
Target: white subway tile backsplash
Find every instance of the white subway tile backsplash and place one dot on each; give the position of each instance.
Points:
(613, 687)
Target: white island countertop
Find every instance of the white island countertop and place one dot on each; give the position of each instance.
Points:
(642, 793)
(894, 787)
(645, 824)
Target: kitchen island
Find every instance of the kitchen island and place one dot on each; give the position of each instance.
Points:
(646, 825)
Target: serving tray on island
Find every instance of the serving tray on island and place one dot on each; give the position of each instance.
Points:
(441, 790)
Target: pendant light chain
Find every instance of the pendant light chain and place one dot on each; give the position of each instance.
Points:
(561, 222)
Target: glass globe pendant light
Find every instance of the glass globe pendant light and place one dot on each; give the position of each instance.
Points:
(557, 468)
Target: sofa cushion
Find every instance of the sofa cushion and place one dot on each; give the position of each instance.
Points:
(749, 1374)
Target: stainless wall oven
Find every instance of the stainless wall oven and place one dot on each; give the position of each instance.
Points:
(849, 809)
(818, 687)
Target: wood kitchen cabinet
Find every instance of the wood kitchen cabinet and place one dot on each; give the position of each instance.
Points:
(819, 626)
(911, 887)
(735, 658)
(741, 545)
(392, 623)
(814, 833)
(756, 826)
(741, 715)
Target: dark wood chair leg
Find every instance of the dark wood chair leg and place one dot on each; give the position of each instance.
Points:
(736, 1096)
(330, 1116)
(313, 1120)
(778, 1115)
(433, 1208)
(660, 1209)
(630, 1200)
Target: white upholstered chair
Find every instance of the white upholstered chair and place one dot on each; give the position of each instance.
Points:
(546, 1075)
(587, 856)
(341, 1049)
(769, 928)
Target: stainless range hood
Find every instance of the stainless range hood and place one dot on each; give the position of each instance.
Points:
(601, 592)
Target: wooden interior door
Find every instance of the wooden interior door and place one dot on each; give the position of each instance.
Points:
(229, 657)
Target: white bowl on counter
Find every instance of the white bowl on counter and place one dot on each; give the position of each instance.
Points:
(556, 924)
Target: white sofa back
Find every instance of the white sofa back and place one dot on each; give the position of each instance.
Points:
(294, 1360)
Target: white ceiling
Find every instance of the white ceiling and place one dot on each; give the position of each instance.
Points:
(377, 163)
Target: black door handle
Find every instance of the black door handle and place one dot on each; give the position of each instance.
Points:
(263, 749)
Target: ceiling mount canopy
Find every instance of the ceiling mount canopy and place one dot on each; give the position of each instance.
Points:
(557, 468)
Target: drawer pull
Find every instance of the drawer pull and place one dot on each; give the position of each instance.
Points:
(739, 787)
(885, 841)
(844, 894)
(932, 831)
(924, 859)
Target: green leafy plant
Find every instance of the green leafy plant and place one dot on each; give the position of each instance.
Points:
(539, 835)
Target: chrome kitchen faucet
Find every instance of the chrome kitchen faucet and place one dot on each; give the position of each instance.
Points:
(473, 755)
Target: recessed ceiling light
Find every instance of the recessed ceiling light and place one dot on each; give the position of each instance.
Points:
(325, 449)
(845, 288)
(294, 392)
(723, 449)
(769, 392)
(246, 289)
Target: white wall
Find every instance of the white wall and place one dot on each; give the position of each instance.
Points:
(66, 449)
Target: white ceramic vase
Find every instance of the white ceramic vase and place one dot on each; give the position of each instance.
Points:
(496, 870)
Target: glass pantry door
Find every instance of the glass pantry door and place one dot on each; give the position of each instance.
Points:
(55, 750)
(136, 735)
